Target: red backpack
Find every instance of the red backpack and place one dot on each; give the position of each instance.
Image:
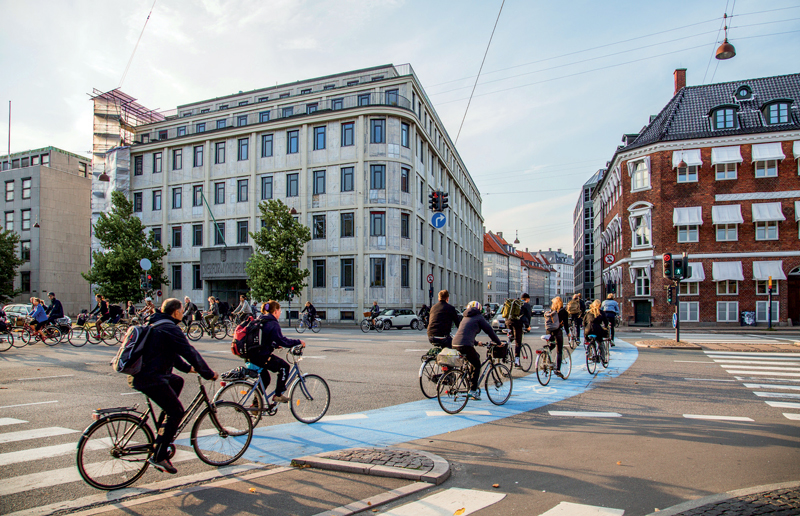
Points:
(246, 337)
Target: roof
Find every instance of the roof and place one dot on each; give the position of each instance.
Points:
(490, 245)
(45, 150)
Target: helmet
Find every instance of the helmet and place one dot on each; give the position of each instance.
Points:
(52, 294)
(148, 299)
(474, 304)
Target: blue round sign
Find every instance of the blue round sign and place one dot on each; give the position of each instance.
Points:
(674, 320)
(438, 220)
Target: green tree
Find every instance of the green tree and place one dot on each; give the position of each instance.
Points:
(272, 269)
(9, 261)
(115, 270)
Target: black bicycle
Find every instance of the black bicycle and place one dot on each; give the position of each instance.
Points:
(596, 352)
(453, 389)
(113, 451)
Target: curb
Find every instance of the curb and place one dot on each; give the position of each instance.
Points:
(722, 497)
(691, 347)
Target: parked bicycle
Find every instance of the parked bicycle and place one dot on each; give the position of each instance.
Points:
(454, 385)
(197, 328)
(303, 324)
(309, 395)
(113, 451)
(596, 352)
(546, 363)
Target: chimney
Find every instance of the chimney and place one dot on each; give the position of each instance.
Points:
(500, 234)
(559, 249)
(680, 79)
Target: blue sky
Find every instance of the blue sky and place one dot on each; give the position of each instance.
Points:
(549, 110)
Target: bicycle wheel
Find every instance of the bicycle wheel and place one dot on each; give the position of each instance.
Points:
(566, 364)
(77, 336)
(26, 337)
(240, 392)
(429, 374)
(113, 452)
(6, 341)
(543, 371)
(309, 398)
(365, 326)
(221, 433)
(605, 353)
(51, 336)
(219, 332)
(452, 393)
(300, 327)
(195, 331)
(379, 327)
(525, 358)
(591, 359)
(498, 384)
(91, 334)
(119, 332)
(230, 328)
(315, 326)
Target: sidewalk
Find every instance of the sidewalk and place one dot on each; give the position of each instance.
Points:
(738, 347)
(775, 499)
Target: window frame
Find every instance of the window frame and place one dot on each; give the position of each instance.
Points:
(177, 236)
(177, 277)
(293, 185)
(292, 141)
(377, 177)
(377, 224)
(405, 135)
(318, 227)
(776, 312)
(25, 219)
(241, 120)
(319, 273)
(405, 180)
(156, 206)
(377, 130)
(726, 228)
(405, 276)
(764, 228)
(265, 180)
(688, 234)
(138, 202)
(721, 114)
(347, 181)
(197, 200)
(762, 169)
(197, 157)
(347, 227)
(197, 279)
(690, 174)
(762, 287)
(377, 272)
(642, 289)
(243, 149)
(219, 192)
(640, 176)
(197, 235)
(405, 225)
(347, 270)
(728, 311)
(177, 159)
(138, 166)
(320, 134)
(219, 153)
(267, 145)
(177, 198)
(219, 232)
(158, 163)
(242, 190)
(318, 185)
(689, 308)
(725, 172)
(242, 231)
(778, 105)
(727, 288)
(689, 288)
(348, 134)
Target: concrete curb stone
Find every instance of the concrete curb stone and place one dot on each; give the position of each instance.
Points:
(713, 501)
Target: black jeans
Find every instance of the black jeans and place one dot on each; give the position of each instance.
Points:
(612, 322)
(576, 321)
(166, 397)
(277, 365)
(559, 345)
(516, 334)
(473, 358)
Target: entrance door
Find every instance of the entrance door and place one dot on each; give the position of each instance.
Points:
(642, 313)
(794, 296)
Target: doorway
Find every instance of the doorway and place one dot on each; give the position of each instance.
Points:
(794, 296)
(641, 310)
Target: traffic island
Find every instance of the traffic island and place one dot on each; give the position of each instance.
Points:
(770, 499)
(665, 344)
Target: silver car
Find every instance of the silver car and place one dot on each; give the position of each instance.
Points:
(399, 318)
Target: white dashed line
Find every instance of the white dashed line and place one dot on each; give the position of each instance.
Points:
(771, 386)
(434, 413)
(566, 413)
(10, 421)
(793, 417)
(783, 404)
(343, 417)
(784, 395)
(45, 377)
(29, 404)
(708, 380)
(718, 418)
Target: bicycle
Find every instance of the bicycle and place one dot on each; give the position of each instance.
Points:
(7, 339)
(48, 334)
(430, 372)
(309, 395)
(545, 365)
(573, 335)
(113, 451)
(525, 355)
(452, 392)
(367, 325)
(196, 330)
(303, 324)
(596, 353)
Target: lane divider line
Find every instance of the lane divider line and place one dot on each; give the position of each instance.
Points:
(45, 377)
(435, 413)
(718, 418)
(10, 421)
(29, 404)
(567, 413)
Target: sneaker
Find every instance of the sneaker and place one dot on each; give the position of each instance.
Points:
(612, 344)
(280, 399)
(516, 362)
(559, 374)
(165, 466)
(475, 395)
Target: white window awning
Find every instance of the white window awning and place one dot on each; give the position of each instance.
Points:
(765, 151)
(698, 274)
(729, 214)
(691, 157)
(796, 149)
(724, 271)
(796, 210)
(767, 212)
(763, 270)
(687, 216)
(726, 155)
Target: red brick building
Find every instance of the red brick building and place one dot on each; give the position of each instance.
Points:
(715, 175)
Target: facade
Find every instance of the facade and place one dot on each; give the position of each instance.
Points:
(354, 155)
(46, 201)
(502, 269)
(714, 175)
(539, 271)
(562, 280)
(583, 236)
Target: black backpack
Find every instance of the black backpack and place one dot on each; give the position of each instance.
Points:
(129, 356)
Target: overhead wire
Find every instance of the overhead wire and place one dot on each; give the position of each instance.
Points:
(125, 73)
(714, 50)
(733, 8)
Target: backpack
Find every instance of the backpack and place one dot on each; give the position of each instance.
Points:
(129, 357)
(246, 337)
(512, 309)
(573, 307)
(551, 322)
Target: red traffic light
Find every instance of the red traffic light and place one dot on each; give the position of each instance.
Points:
(149, 277)
(667, 257)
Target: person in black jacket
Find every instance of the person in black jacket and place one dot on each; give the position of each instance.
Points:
(102, 312)
(518, 327)
(471, 325)
(272, 338)
(167, 347)
(441, 320)
(312, 313)
(189, 309)
(55, 311)
(557, 306)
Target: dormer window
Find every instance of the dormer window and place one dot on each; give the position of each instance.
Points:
(744, 93)
(723, 117)
(777, 112)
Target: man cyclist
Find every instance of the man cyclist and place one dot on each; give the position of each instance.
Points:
(243, 310)
(311, 314)
(211, 316)
(148, 309)
(189, 309)
(375, 311)
(102, 312)
(441, 321)
(464, 341)
(611, 310)
(272, 338)
(518, 326)
(576, 309)
(55, 311)
(167, 347)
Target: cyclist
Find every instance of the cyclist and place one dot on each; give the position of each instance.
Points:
(464, 341)
(39, 316)
(148, 309)
(375, 311)
(595, 321)
(101, 310)
(244, 309)
(130, 310)
(3, 320)
(575, 308)
(55, 311)
(611, 310)
(211, 316)
(518, 326)
(441, 320)
(424, 314)
(189, 309)
(167, 347)
(557, 310)
(311, 314)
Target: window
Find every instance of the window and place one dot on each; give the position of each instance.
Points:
(377, 130)
(778, 113)
(377, 177)
(762, 312)
(687, 234)
(404, 225)
(392, 97)
(642, 283)
(319, 182)
(319, 138)
(422, 232)
(156, 232)
(404, 172)
(244, 149)
(241, 232)
(311, 108)
(197, 195)
(377, 78)
(176, 236)
(222, 124)
(138, 166)
(727, 311)
(377, 272)
(687, 174)
(266, 187)
(241, 120)
(352, 83)
(347, 225)
(347, 179)
(292, 142)
(182, 130)
(640, 176)
(200, 128)
(177, 198)
(689, 288)
(266, 145)
(725, 171)
(287, 112)
(318, 267)
(377, 223)
(363, 100)
(197, 235)
(404, 131)
(243, 102)
(641, 231)
(219, 193)
(292, 185)
(137, 202)
(727, 288)
(156, 200)
(223, 106)
(348, 266)
(319, 227)
(26, 220)
(283, 95)
(305, 91)
(197, 281)
(727, 232)
(25, 250)
(404, 276)
(337, 104)
(263, 99)
(26, 188)
(9, 221)
(219, 233)
(724, 118)
(263, 116)
(242, 186)
(176, 277)
(162, 135)
(328, 87)
(767, 168)
(198, 156)
(762, 287)
(35, 161)
(690, 311)
(177, 159)
(25, 280)
(219, 154)
(767, 230)
(45, 159)
(9, 191)
(206, 110)
(81, 167)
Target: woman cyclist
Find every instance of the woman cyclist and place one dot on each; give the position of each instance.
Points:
(557, 309)
(272, 338)
(595, 321)
(464, 341)
(39, 316)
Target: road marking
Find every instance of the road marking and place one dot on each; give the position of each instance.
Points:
(129, 393)
(751, 354)
(765, 373)
(693, 362)
(732, 358)
(771, 386)
(708, 380)
(576, 509)
(10, 421)
(783, 404)
(320, 357)
(758, 379)
(450, 501)
(760, 367)
(29, 404)
(434, 413)
(567, 413)
(218, 351)
(37, 433)
(737, 363)
(44, 452)
(44, 377)
(343, 417)
(403, 341)
(718, 418)
(785, 395)
(417, 350)
(793, 417)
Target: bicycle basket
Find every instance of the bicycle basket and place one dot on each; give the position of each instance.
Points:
(450, 358)
(499, 352)
(238, 373)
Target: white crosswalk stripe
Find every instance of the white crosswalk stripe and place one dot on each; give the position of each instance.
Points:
(37, 433)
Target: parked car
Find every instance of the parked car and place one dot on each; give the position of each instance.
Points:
(399, 318)
(16, 312)
(498, 323)
(537, 310)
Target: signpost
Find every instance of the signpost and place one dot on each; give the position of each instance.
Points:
(609, 258)
(438, 220)
(430, 278)
(769, 303)
(430, 290)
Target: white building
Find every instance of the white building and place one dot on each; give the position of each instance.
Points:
(502, 269)
(562, 280)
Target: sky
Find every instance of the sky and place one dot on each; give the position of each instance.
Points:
(561, 83)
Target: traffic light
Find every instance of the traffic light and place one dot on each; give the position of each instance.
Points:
(149, 282)
(143, 281)
(669, 295)
(678, 268)
(291, 293)
(443, 200)
(433, 200)
(667, 257)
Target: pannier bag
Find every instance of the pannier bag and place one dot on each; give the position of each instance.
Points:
(450, 358)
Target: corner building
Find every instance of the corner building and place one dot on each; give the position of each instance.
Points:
(354, 155)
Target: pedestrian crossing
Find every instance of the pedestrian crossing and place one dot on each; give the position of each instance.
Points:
(772, 377)
(711, 338)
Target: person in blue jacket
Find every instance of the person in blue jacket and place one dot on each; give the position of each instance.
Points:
(39, 316)
(272, 338)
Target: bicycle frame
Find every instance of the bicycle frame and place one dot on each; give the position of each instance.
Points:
(295, 375)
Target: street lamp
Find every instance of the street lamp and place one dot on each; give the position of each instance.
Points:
(726, 50)
(104, 177)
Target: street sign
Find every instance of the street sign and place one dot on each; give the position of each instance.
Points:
(145, 264)
(674, 320)
(609, 258)
(158, 294)
(438, 220)
(430, 278)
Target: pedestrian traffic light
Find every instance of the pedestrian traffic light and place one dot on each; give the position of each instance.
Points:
(667, 257)
(433, 200)
(669, 295)
(678, 266)
(443, 200)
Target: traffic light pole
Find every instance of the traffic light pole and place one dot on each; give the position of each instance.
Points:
(677, 311)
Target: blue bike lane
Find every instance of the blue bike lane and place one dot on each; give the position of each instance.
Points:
(397, 424)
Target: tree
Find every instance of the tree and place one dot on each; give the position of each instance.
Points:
(9, 261)
(116, 270)
(272, 269)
